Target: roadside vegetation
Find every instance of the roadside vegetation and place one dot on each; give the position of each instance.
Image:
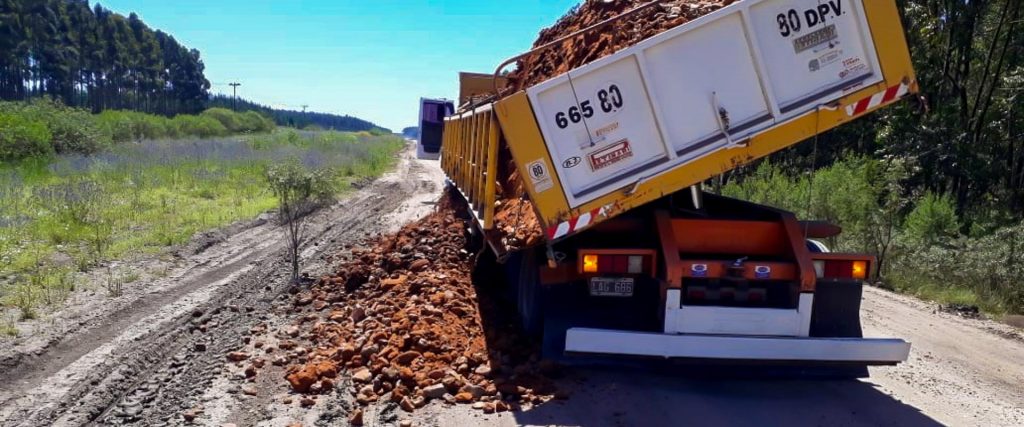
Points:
(934, 185)
(921, 245)
(65, 213)
(43, 128)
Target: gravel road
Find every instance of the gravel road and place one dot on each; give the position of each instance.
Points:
(157, 356)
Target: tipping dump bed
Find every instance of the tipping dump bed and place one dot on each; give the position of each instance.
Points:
(688, 104)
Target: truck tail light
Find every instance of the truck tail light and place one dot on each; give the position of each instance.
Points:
(841, 269)
(617, 264)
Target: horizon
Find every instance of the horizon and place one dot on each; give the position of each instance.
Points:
(369, 62)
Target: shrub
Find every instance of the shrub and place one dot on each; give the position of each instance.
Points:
(125, 126)
(117, 125)
(229, 119)
(22, 137)
(933, 219)
(299, 191)
(259, 122)
(72, 130)
(989, 270)
(201, 126)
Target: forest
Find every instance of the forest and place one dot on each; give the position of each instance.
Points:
(297, 119)
(91, 57)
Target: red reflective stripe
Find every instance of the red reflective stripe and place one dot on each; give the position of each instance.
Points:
(890, 94)
(862, 105)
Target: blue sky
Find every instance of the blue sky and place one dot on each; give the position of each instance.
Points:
(370, 59)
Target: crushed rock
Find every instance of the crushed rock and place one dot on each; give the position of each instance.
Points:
(404, 321)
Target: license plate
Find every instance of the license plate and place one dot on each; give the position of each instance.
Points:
(611, 287)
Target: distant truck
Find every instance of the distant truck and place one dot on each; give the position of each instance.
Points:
(432, 115)
(635, 259)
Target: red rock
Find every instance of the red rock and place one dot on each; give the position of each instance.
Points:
(327, 369)
(362, 376)
(406, 374)
(393, 283)
(407, 405)
(356, 417)
(347, 351)
(407, 358)
(302, 379)
(418, 265)
(464, 397)
(237, 356)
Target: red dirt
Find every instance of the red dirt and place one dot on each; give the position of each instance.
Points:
(404, 319)
(587, 48)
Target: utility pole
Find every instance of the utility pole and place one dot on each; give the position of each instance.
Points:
(304, 107)
(234, 99)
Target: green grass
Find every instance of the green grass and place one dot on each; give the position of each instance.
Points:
(72, 213)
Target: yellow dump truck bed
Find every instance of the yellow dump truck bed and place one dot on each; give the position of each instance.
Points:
(682, 107)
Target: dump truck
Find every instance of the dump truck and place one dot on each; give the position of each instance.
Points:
(635, 258)
(432, 115)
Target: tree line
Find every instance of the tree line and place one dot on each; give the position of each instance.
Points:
(297, 119)
(94, 58)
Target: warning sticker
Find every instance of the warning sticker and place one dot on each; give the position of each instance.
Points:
(539, 175)
(610, 155)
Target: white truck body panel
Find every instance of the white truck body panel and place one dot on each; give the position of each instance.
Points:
(699, 88)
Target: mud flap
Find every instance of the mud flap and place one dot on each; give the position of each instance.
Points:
(569, 305)
(836, 314)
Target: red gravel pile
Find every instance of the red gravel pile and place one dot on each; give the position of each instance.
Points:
(586, 48)
(404, 320)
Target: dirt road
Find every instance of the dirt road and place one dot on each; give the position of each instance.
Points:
(963, 372)
(158, 355)
(156, 351)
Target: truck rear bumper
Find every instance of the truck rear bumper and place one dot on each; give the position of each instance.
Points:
(867, 351)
